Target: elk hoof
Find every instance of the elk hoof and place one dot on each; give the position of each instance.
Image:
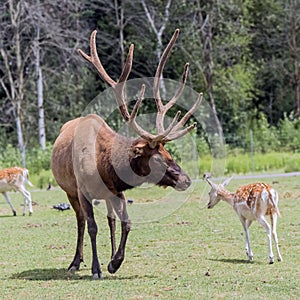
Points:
(97, 275)
(114, 266)
(111, 269)
(14, 213)
(73, 269)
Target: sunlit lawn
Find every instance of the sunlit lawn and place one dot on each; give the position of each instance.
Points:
(177, 250)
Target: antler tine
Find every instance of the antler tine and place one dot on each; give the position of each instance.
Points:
(162, 109)
(138, 102)
(161, 137)
(128, 65)
(119, 88)
(185, 118)
(94, 59)
(132, 122)
(175, 134)
(160, 68)
(180, 88)
(168, 105)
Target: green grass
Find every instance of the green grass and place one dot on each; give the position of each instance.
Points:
(168, 258)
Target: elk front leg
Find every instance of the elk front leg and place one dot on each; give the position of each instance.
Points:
(78, 258)
(111, 218)
(119, 205)
(88, 211)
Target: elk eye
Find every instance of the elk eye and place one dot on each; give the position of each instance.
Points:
(157, 158)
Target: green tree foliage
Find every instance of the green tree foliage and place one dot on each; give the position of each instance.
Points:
(254, 53)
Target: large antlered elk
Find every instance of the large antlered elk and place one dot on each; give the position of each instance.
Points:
(91, 161)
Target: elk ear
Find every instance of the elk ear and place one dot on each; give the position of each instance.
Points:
(136, 151)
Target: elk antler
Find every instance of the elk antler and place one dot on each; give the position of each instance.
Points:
(174, 130)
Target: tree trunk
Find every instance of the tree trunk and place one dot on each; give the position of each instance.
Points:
(206, 37)
(119, 11)
(40, 99)
(294, 49)
(159, 32)
(21, 143)
(19, 84)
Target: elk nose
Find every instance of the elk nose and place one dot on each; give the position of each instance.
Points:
(188, 181)
(183, 183)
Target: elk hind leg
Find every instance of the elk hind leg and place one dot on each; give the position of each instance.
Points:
(78, 258)
(88, 212)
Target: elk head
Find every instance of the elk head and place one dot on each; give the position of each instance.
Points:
(148, 158)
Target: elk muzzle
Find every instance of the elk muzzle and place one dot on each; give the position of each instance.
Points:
(175, 178)
(183, 182)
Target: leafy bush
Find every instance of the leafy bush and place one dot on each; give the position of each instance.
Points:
(289, 134)
(38, 159)
(10, 156)
(42, 179)
(265, 137)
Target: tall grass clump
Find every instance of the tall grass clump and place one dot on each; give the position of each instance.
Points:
(243, 163)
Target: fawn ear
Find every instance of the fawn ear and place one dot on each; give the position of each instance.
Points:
(226, 182)
(213, 185)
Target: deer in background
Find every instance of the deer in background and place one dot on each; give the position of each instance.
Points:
(250, 202)
(15, 179)
(92, 161)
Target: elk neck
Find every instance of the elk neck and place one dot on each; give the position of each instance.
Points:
(118, 162)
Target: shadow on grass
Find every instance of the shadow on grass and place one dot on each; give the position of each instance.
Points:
(236, 261)
(63, 274)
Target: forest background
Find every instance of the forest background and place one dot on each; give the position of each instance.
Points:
(244, 56)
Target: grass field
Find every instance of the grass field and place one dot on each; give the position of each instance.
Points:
(177, 249)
